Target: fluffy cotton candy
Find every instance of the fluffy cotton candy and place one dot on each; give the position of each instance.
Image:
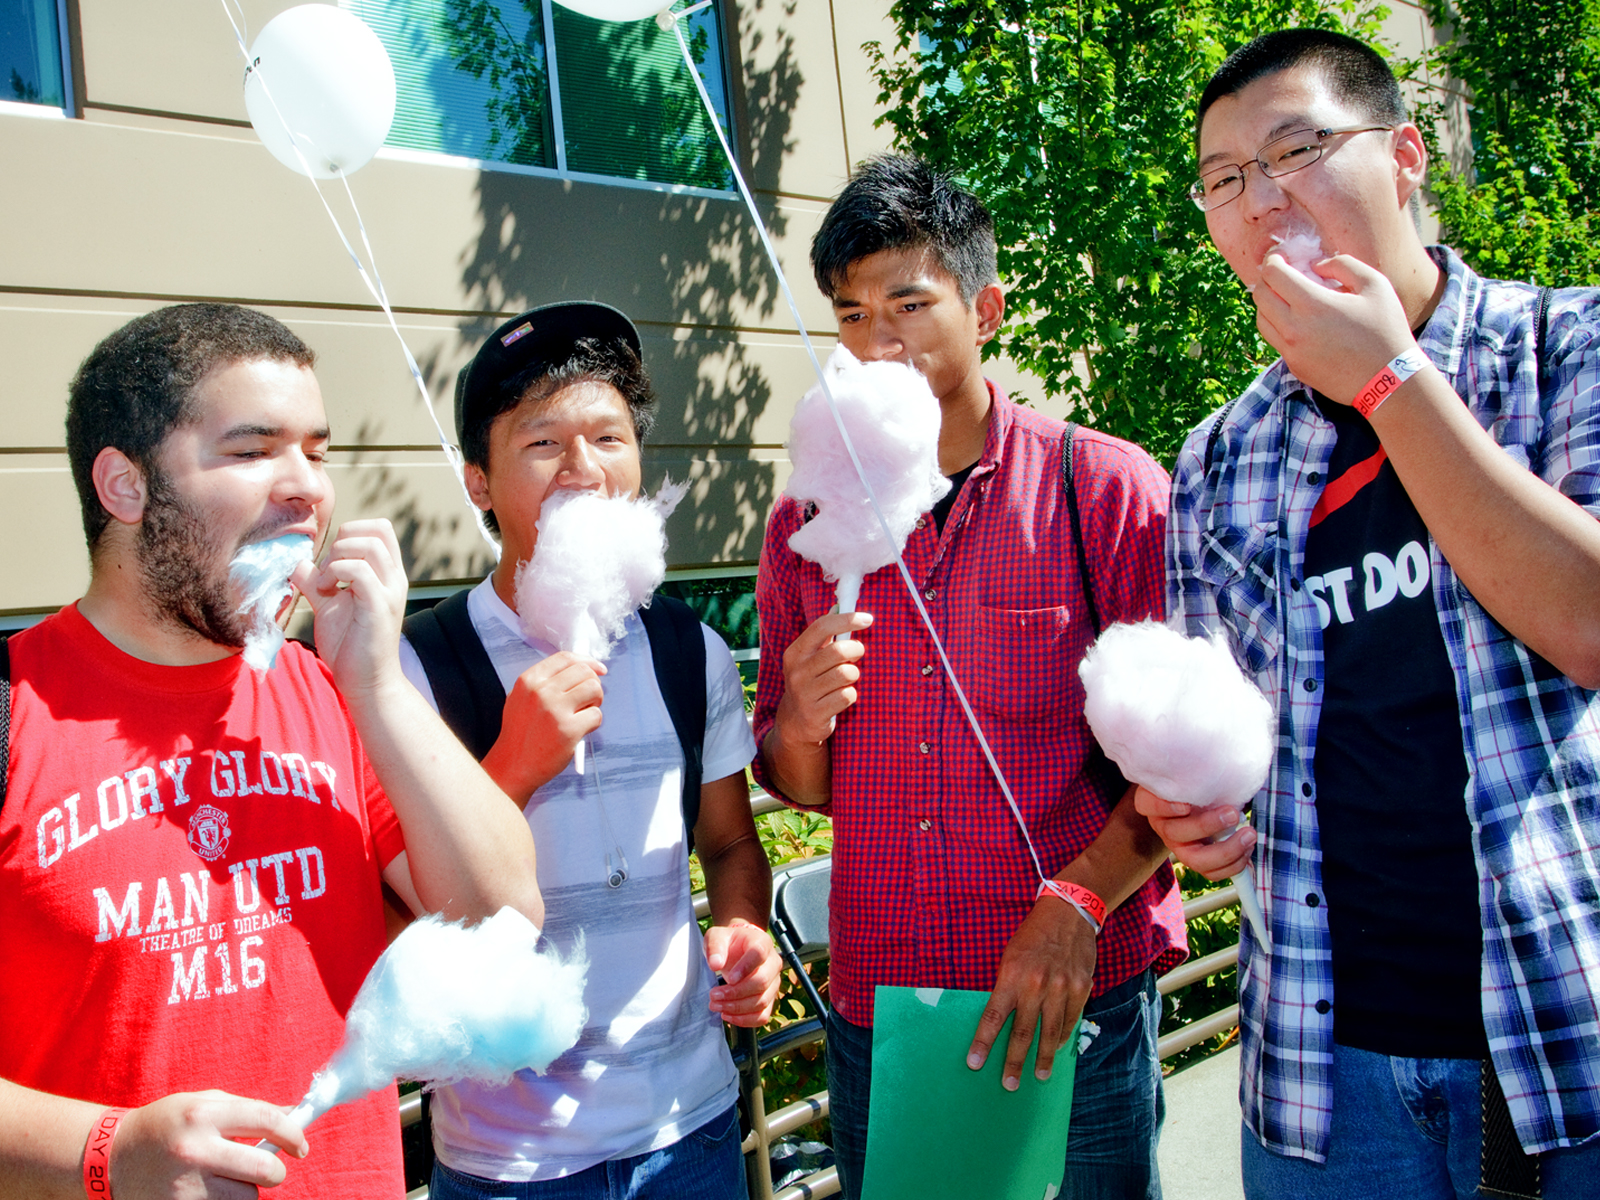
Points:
(1177, 715)
(448, 1002)
(1300, 247)
(893, 421)
(261, 573)
(598, 558)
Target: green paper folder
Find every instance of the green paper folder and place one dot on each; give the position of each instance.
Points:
(938, 1129)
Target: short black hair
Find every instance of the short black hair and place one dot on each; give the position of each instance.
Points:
(1356, 72)
(609, 361)
(900, 202)
(137, 385)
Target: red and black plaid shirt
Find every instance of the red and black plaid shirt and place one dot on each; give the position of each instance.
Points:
(930, 874)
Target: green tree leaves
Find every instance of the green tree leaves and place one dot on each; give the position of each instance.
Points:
(1528, 207)
(1074, 124)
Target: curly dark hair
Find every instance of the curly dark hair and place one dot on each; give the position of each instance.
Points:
(138, 384)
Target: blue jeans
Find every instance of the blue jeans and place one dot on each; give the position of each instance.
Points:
(1117, 1102)
(1408, 1128)
(705, 1165)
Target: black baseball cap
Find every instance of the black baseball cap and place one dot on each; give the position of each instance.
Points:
(546, 335)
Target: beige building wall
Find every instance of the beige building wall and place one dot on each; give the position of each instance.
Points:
(162, 193)
(158, 192)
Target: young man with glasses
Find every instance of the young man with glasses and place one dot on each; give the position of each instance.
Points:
(1395, 527)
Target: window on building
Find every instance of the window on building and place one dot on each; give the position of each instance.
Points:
(533, 84)
(30, 52)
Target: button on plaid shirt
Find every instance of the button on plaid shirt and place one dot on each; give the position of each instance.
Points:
(930, 875)
(1236, 538)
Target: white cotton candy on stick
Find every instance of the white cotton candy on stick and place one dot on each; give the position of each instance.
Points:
(893, 420)
(598, 559)
(261, 573)
(1179, 718)
(448, 1002)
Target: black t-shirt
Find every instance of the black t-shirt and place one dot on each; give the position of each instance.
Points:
(941, 510)
(1390, 770)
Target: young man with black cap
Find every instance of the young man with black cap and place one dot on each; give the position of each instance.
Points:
(643, 1107)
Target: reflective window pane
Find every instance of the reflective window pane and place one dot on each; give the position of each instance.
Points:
(30, 52)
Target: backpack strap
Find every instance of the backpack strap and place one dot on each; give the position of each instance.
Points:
(1097, 765)
(1541, 331)
(678, 653)
(1070, 487)
(465, 684)
(5, 716)
(1216, 433)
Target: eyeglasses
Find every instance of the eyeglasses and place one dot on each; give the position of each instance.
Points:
(1282, 156)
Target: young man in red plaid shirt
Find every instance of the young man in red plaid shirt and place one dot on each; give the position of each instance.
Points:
(933, 884)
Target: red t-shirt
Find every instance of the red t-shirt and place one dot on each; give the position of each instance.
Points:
(189, 877)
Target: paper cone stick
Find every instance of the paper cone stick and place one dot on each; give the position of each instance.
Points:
(848, 591)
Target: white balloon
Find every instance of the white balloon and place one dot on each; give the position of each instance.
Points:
(617, 10)
(325, 73)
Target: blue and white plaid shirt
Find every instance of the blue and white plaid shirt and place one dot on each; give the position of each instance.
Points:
(1531, 736)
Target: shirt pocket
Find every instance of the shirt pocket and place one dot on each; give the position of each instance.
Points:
(1239, 564)
(1025, 665)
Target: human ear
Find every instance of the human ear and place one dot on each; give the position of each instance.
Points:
(477, 481)
(990, 305)
(1411, 161)
(120, 485)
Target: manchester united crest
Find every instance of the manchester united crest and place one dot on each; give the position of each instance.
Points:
(209, 832)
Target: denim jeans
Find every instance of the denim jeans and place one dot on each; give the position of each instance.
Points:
(705, 1165)
(1407, 1128)
(1117, 1102)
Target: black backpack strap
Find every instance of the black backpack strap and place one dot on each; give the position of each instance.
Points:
(678, 652)
(1541, 332)
(1097, 765)
(1216, 432)
(465, 685)
(5, 716)
(1068, 484)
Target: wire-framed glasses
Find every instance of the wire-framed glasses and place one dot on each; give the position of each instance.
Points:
(1282, 156)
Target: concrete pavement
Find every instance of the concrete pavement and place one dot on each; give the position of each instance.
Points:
(1199, 1151)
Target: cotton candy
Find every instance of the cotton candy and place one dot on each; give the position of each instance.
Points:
(598, 559)
(448, 1002)
(893, 421)
(261, 573)
(1300, 247)
(1180, 719)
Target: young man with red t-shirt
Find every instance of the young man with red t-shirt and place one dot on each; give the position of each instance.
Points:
(192, 850)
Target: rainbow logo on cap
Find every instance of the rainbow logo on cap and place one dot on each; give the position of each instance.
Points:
(520, 331)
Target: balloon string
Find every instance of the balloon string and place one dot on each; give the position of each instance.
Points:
(373, 281)
(816, 365)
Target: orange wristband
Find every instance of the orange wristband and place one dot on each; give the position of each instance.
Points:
(1384, 384)
(97, 1154)
(1081, 898)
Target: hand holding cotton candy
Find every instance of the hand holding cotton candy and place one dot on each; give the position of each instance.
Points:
(447, 1002)
(261, 572)
(893, 420)
(1180, 719)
